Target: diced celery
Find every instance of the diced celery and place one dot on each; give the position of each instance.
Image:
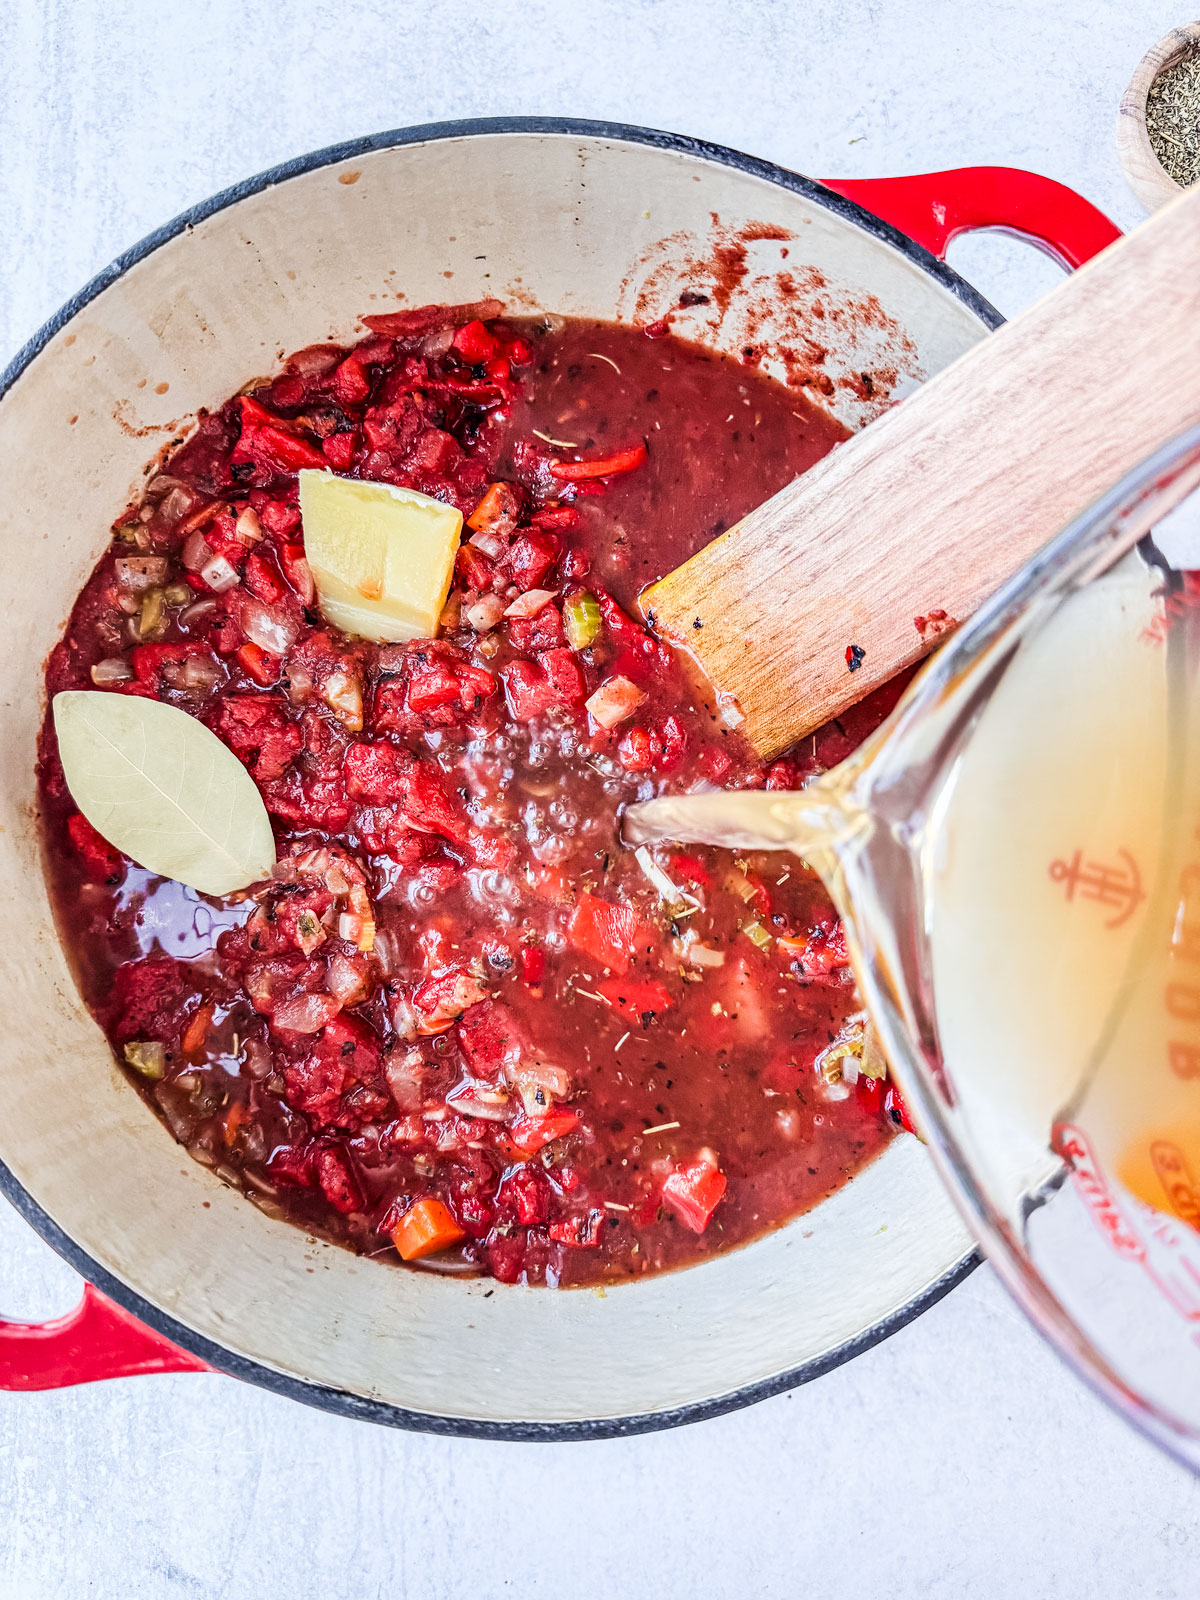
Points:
(146, 1056)
(581, 619)
(757, 934)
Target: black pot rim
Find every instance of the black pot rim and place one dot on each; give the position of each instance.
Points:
(321, 1395)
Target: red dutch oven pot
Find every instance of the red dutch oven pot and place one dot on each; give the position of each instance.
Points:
(183, 1274)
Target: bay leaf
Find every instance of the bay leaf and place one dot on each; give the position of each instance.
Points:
(163, 789)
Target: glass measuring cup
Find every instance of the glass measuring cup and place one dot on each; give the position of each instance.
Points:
(1016, 854)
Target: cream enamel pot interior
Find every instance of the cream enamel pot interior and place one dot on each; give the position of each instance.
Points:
(573, 218)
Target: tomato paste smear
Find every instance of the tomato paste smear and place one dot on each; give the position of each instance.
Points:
(460, 1022)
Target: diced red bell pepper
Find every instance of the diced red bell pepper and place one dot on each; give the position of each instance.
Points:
(532, 960)
(693, 1191)
(639, 998)
(694, 870)
(605, 467)
(608, 933)
(272, 446)
(529, 1134)
(475, 344)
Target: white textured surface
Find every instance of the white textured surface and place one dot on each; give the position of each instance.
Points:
(957, 1460)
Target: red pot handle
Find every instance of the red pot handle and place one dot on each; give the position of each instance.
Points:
(100, 1340)
(934, 207)
(96, 1340)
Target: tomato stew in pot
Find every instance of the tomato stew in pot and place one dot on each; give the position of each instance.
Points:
(461, 1024)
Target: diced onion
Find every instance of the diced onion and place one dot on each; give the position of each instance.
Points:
(703, 955)
(197, 552)
(343, 695)
(269, 627)
(219, 575)
(146, 1056)
(114, 669)
(197, 611)
(668, 891)
(539, 1084)
(491, 546)
(613, 701)
(484, 613)
(248, 528)
(137, 573)
(201, 672)
(530, 603)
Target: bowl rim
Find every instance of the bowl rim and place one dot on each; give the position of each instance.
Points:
(325, 1397)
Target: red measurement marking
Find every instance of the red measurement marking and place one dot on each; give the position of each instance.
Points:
(1179, 1186)
(1120, 887)
(1174, 606)
(1090, 1180)
(1165, 1251)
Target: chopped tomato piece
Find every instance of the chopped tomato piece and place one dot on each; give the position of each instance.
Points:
(424, 1229)
(605, 467)
(608, 933)
(694, 1191)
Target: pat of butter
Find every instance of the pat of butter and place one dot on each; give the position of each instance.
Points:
(381, 557)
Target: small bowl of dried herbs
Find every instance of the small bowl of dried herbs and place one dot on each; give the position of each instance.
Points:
(1158, 124)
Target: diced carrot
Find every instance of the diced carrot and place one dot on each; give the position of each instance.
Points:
(196, 1032)
(424, 1229)
(234, 1118)
(258, 664)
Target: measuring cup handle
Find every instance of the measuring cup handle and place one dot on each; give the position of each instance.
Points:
(95, 1340)
(934, 207)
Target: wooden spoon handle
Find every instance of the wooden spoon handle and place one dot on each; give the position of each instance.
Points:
(933, 506)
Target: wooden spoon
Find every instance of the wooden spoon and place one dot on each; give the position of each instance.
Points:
(815, 598)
